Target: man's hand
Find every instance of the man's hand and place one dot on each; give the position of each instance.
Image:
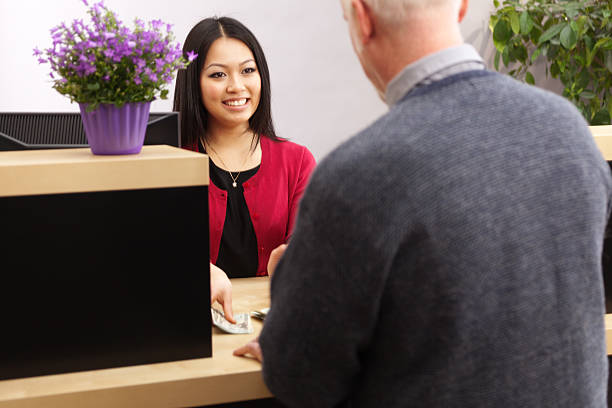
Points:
(275, 256)
(221, 291)
(252, 348)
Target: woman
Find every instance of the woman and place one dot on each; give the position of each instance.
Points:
(256, 178)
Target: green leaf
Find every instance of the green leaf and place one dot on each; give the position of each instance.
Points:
(588, 42)
(551, 32)
(514, 22)
(593, 52)
(571, 10)
(492, 21)
(535, 35)
(609, 60)
(536, 54)
(520, 53)
(529, 78)
(496, 3)
(93, 87)
(502, 31)
(587, 94)
(583, 79)
(554, 69)
(526, 23)
(499, 45)
(601, 118)
(599, 43)
(580, 23)
(496, 60)
(506, 56)
(568, 37)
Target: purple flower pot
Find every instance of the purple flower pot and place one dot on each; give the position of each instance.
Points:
(111, 130)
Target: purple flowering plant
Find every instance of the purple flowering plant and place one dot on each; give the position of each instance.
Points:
(104, 62)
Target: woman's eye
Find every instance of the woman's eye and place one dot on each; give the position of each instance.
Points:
(249, 70)
(217, 75)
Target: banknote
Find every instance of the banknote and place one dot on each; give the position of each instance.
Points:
(260, 314)
(242, 326)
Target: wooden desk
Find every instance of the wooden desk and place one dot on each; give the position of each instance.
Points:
(603, 138)
(221, 378)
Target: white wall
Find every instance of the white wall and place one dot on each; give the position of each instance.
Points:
(320, 96)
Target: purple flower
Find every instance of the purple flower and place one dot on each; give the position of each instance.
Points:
(191, 56)
(158, 48)
(145, 55)
(157, 24)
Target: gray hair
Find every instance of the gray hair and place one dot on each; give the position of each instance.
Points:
(394, 11)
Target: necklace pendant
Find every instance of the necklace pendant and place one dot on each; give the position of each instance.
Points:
(234, 184)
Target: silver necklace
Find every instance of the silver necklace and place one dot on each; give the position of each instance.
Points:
(234, 179)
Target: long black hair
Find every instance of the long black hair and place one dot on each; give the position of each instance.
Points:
(187, 94)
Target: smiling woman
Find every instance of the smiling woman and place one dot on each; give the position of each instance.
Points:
(256, 177)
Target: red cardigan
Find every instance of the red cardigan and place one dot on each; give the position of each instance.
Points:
(272, 196)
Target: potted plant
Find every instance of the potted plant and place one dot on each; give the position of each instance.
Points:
(113, 73)
(574, 38)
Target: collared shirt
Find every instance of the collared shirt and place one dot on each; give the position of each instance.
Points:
(433, 68)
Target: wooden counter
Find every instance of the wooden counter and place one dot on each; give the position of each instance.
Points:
(55, 171)
(603, 138)
(221, 378)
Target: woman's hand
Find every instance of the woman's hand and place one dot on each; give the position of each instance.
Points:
(275, 256)
(221, 291)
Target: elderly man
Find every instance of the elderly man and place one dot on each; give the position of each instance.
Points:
(449, 255)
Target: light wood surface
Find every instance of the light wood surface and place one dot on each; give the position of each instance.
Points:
(603, 138)
(51, 171)
(221, 378)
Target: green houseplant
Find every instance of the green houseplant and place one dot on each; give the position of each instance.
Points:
(573, 37)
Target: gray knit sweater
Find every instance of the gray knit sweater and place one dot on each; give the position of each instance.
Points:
(449, 255)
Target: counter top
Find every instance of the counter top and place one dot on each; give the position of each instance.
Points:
(54, 171)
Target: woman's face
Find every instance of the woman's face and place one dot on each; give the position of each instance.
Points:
(230, 83)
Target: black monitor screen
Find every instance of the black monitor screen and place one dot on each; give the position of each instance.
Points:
(46, 130)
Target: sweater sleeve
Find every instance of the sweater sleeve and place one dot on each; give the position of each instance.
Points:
(324, 301)
(305, 168)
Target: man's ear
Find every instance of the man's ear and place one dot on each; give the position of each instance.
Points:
(364, 20)
(463, 9)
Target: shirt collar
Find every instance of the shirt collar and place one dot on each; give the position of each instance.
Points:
(431, 68)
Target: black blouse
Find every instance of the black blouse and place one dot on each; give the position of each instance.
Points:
(238, 249)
